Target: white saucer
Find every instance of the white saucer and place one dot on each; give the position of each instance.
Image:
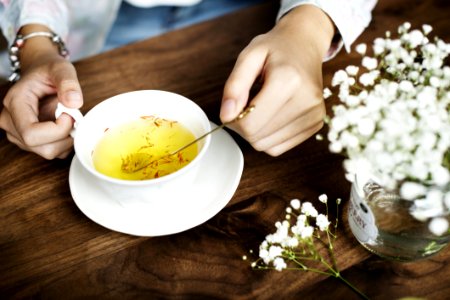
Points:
(217, 180)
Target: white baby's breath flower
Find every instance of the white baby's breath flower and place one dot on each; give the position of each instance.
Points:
(432, 63)
(366, 126)
(264, 255)
(339, 78)
(322, 222)
(323, 198)
(412, 190)
(379, 45)
(336, 147)
(406, 86)
(438, 226)
(307, 232)
(396, 120)
(428, 207)
(426, 29)
(339, 123)
(440, 175)
(300, 225)
(310, 240)
(308, 209)
(435, 82)
(279, 264)
(361, 48)
(352, 100)
(292, 242)
(416, 38)
(413, 76)
(326, 93)
(274, 252)
(350, 140)
(369, 63)
(404, 27)
(295, 203)
(352, 70)
(367, 79)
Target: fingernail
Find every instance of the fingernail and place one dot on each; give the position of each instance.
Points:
(73, 98)
(228, 109)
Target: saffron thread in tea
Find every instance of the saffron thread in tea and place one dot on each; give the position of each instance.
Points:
(140, 149)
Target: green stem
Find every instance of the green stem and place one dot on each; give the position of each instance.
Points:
(351, 286)
(331, 252)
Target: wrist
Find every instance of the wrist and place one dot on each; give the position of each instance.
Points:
(312, 23)
(34, 44)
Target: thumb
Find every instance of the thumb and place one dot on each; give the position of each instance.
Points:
(236, 92)
(67, 86)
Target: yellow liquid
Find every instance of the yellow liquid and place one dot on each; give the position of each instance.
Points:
(140, 149)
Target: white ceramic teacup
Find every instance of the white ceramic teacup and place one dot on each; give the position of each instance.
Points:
(130, 106)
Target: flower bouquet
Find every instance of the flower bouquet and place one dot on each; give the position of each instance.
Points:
(393, 126)
(303, 241)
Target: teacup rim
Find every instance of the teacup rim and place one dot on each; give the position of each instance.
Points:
(151, 181)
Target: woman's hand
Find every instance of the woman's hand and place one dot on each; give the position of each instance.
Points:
(289, 106)
(29, 106)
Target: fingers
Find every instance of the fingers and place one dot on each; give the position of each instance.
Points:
(67, 86)
(288, 110)
(247, 69)
(22, 121)
(271, 104)
(291, 134)
(48, 139)
(27, 116)
(280, 148)
(37, 133)
(58, 149)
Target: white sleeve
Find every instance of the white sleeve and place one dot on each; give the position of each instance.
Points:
(82, 24)
(350, 17)
(17, 13)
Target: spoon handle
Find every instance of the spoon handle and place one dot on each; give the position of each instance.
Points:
(240, 116)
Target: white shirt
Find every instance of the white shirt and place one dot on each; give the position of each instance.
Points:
(84, 24)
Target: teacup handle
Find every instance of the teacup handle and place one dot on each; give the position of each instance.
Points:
(73, 112)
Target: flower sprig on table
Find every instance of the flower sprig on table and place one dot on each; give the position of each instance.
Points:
(303, 241)
(393, 122)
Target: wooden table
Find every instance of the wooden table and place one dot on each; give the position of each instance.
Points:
(50, 249)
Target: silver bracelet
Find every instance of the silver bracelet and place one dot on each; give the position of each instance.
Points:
(20, 41)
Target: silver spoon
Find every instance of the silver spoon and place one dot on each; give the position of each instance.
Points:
(144, 162)
(239, 117)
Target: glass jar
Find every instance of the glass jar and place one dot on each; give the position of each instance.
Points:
(381, 221)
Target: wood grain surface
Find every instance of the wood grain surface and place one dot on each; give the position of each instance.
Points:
(50, 250)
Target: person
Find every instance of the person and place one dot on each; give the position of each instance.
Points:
(288, 59)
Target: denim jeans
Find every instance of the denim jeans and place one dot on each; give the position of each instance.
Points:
(136, 23)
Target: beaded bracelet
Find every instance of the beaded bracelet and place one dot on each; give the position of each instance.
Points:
(20, 41)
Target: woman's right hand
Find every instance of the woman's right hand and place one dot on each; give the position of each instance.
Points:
(28, 113)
